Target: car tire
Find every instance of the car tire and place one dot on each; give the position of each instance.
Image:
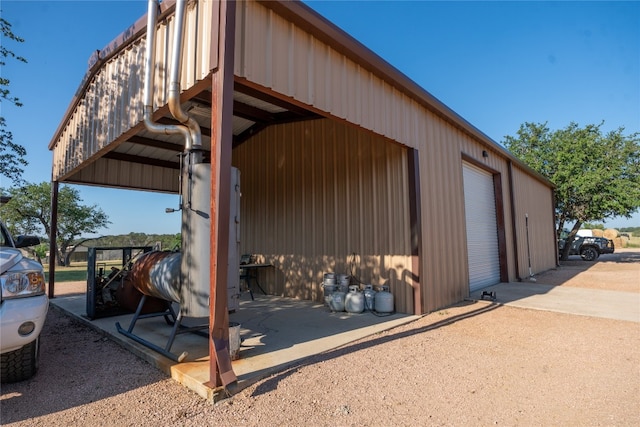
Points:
(589, 253)
(20, 364)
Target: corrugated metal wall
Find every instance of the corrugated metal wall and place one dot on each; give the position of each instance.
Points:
(445, 277)
(112, 103)
(276, 54)
(118, 173)
(315, 193)
(111, 106)
(533, 198)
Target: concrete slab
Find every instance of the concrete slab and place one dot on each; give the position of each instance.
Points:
(275, 332)
(585, 302)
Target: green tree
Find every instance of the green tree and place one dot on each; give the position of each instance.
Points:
(29, 212)
(12, 155)
(597, 175)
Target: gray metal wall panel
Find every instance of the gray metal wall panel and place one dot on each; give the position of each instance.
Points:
(315, 193)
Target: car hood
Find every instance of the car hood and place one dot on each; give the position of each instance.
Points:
(9, 257)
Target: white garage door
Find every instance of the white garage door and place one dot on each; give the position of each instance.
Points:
(482, 228)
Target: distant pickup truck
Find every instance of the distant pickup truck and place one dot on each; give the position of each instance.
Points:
(589, 248)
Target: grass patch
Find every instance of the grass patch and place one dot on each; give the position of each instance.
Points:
(633, 242)
(77, 271)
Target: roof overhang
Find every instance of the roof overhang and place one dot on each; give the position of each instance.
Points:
(254, 107)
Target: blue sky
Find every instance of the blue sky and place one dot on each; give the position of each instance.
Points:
(497, 64)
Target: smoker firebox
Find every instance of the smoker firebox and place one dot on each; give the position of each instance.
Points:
(102, 285)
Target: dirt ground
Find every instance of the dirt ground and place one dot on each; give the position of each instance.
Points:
(471, 364)
(617, 272)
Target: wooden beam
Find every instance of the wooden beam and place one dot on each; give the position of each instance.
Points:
(155, 143)
(220, 369)
(255, 93)
(53, 235)
(142, 160)
(415, 215)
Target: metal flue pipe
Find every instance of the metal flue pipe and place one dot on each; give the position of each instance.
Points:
(194, 292)
(174, 85)
(194, 176)
(150, 63)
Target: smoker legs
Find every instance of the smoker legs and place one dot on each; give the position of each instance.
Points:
(172, 320)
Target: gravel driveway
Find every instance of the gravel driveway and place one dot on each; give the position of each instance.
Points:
(471, 364)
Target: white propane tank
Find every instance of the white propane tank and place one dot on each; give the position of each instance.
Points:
(328, 287)
(384, 300)
(354, 300)
(336, 301)
(328, 291)
(343, 280)
(369, 298)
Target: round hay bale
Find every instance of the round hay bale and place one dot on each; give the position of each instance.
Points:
(610, 233)
(624, 241)
(619, 242)
(596, 232)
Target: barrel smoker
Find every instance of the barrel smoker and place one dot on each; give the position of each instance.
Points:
(182, 278)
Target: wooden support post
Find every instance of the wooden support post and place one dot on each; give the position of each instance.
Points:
(53, 251)
(220, 370)
(415, 216)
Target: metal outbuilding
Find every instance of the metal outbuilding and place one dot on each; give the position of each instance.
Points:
(346, 164)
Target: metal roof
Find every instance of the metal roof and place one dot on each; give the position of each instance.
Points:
(254, 109)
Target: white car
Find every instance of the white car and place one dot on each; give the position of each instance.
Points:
(23, 308)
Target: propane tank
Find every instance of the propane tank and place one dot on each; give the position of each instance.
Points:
(384, 300)
(328, 290)
(329, 278)
(369, 298)
(328, 287)
(354, 300)
(336, 301)
(343, 281)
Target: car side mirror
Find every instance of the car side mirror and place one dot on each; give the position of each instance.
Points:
(25, 241)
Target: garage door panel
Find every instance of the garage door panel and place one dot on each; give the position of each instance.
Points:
(482, 229)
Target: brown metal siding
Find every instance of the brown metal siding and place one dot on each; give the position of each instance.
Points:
(117, 173)
(315, 193)
(275, 53)
(268, 53)
(444, 275)
(533, 198)
(112, 102)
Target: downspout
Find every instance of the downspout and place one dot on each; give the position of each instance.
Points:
(514, 223)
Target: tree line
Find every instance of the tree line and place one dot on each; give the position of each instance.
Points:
(27, 211)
